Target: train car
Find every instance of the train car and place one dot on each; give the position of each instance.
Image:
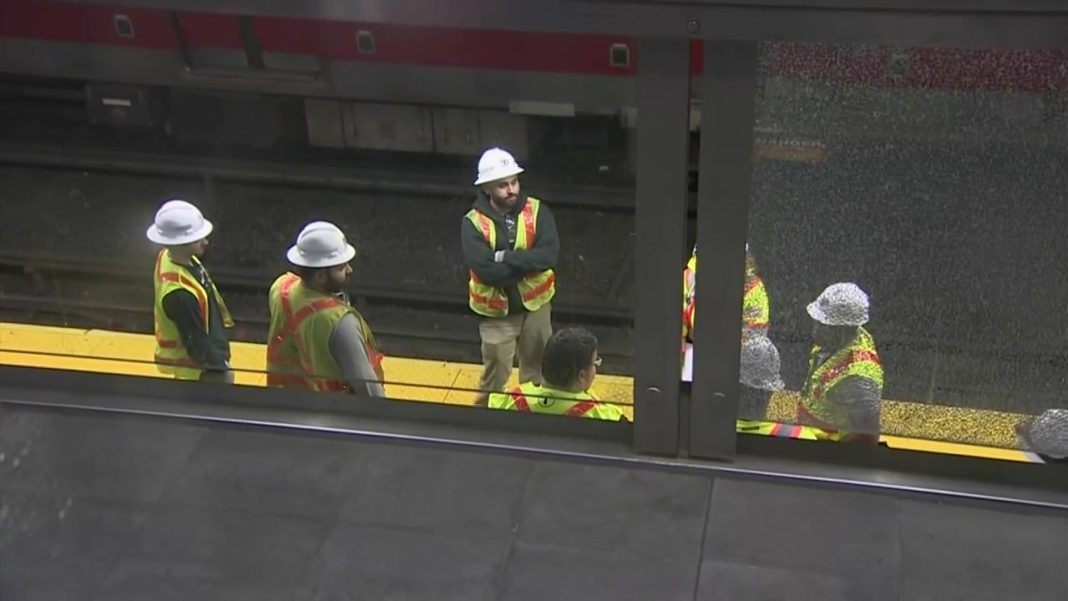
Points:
(451, 91)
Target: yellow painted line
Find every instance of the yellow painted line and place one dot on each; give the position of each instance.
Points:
(916, 426)
(121, 352)
(954, 448)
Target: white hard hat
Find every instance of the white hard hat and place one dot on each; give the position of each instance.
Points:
(496, 164)
(178, 222)
(842, 304)
(759, 367)
(1049, 433)
(320, 244)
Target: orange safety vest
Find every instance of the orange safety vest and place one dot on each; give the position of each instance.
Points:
(857, 359)
(535, 289)
(171, 356)
(298, 353)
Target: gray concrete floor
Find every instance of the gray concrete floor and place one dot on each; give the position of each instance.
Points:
(109, 508)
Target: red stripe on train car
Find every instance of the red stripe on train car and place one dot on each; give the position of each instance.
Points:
(85, 23)
(855, 65)
(211, 30)
(434, 46)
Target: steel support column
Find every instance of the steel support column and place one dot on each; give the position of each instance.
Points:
(663, 97)
(728, 90)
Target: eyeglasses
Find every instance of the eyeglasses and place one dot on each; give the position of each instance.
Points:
(597, 362)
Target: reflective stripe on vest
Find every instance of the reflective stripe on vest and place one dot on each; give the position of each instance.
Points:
(532, 398)
(776, 429)
(171, 356)
(281, 357)
(785, 430)
(520, 400)
(857, 359)
(535, 290)
(577, 410)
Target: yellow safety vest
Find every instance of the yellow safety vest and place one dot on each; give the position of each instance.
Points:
(533, 398)
(535, 289)
(857, 359)
(777, 429)
(298, 343)
(171, 356)
(756, 306)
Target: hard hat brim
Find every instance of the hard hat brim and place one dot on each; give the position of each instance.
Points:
(498, 176)
(157, 237)
(816, 313)
(295, 257)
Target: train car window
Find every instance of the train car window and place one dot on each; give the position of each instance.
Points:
(619, 55)
(123, 26)
(365, 42)
(903, 280)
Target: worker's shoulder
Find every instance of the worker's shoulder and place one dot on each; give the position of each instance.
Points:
(282, 278)
(472, 218)
(537, 200)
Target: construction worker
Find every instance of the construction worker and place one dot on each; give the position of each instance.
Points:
(1045, 434)
(843, 387)
(756, 310)
(759, 379)
(317, 340)
(510, 247)
(569, 366)
(189, 313)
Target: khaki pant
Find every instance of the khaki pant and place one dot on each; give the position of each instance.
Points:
(502, 337)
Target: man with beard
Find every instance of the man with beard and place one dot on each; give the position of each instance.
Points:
(510, 248)
(317, 340)
(189, 313)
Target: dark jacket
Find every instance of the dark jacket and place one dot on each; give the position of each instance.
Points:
(517, 263)
(210, 349)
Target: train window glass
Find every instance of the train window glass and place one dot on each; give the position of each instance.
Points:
(619, 55)
(123, 26)
(906, 239)
(365, 42)
(104, 272)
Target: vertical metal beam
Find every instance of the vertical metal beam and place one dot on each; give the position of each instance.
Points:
(728, 90)
(183, 43)
(663, 98)
(251, 42)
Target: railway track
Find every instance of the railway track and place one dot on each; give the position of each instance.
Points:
(429, 181)
(243, 280)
